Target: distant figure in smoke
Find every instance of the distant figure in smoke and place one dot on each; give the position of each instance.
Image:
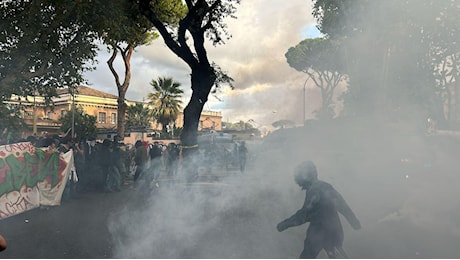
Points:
(110, 174)
(141, 159)
(321, 207)
(155, 153)
(242, 154)
(172, 159)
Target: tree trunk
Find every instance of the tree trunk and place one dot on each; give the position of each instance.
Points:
(121, 112)
(122, 87)
(202, 78)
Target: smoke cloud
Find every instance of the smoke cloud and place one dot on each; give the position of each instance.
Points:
(400, 182)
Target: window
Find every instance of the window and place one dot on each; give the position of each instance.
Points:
(63, 113)
(113, 118)
(102, 119)
(49, 115)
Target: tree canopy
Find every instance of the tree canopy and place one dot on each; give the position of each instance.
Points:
(45, 44)
(322, 61)
(392, 50)
(138, 116)
(165, 100)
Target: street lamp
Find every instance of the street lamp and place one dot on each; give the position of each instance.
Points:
(73, 112)
(304, 95)
(34, 119)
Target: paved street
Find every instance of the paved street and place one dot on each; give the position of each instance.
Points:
(407, 204)
(79, 227)
(76, 229)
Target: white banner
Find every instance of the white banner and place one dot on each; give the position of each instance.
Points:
(30, 177)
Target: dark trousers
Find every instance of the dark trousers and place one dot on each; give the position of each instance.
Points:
(139, 171)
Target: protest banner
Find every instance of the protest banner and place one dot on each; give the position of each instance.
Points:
(30, 177)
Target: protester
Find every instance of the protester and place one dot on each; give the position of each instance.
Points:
(80, 164)
(155, 161)
(121, 155)
(110, 173)
(321, 207)
(66, 145)
(173, 159)
(242, 154)
(141, 160)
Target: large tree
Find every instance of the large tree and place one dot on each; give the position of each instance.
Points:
(320, 59)
(123, 29)
(165, 101)
(204, 19)
(392, 50)
(44, 45)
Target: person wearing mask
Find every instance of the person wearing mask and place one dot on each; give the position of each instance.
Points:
(321, 207)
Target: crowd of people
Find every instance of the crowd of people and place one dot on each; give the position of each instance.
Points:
(104, 165)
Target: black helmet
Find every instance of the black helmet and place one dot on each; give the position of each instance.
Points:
(305, 174)
(106, 142)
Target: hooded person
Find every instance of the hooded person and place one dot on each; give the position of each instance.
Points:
(321, 207)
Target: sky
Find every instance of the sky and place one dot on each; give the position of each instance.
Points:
(266, 88)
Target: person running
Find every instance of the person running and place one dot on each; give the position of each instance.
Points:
(321, 207)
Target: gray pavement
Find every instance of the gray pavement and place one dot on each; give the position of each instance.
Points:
(75, 229)
(79, 227)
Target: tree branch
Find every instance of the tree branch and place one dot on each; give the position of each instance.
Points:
(112, 69)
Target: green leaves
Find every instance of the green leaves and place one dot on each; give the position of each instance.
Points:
(165, 100)
(138, 116)
(85, 125)
(45, 45)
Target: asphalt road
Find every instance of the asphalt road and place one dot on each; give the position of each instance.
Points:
(75, 229)
(79, 227)
(407, 208)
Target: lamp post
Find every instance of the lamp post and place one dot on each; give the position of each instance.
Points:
(73, 112)
(304, 96)
(34, 119)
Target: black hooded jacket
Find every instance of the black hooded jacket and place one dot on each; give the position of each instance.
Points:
(321, 207)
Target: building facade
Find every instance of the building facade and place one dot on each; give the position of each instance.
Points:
(40, 117)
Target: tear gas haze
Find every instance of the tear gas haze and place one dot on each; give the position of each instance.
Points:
(399, 179)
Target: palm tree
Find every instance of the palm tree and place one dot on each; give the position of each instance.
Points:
(165, 101)
(138, 116)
